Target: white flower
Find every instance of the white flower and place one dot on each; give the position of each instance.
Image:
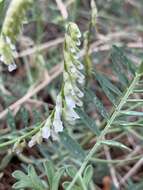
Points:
(8, 51)
(2, 58)
(58, 107)
(70, 102)
(13, 48)
(70, 114)
(37, 138)
(73, 50)
(79, 65)
(68, 89)
(80, 77)
(78, 101)
(46, 131)
(7, 40)
(78, 42)
(58, 125)
(79, 93)
(54, 135)
(32, 142)
(12, 67)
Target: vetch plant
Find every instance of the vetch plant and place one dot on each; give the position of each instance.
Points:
(12, 27)
(112, 112)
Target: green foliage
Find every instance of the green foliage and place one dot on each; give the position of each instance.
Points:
(121, 108)
(72, 146)
(29, 180)
(32, 180)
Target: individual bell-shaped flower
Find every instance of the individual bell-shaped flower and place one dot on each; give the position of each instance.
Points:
(46, 130)
(57, 122)
(37, 138)
(7, 52)
(70, 114)
(12, 67)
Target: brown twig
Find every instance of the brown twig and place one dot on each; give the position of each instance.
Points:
(39, 48)
(62, 9)
(57, 70)
(132, 171)
(112, 169)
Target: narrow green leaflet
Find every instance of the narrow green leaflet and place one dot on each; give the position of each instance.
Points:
(115, 143)
(132, 113)
(128, 124)
(87, 175)
(118, 66)
(124, 60)
(11, 120)
(71, 170)
(24, 116)
(98, 104)
(50, 171)
(109, 93)
(56, 179)
(5, 161)
(140, 69)
(28, 181)
(37, 184)
(72, 146)
(106, 82)
(88, 122)
(75, 187)
(23, 180)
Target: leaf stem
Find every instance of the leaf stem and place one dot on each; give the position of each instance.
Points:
(105, 130)
(25, 136)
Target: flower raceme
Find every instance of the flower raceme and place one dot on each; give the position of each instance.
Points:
(70, 95)
(11, 28)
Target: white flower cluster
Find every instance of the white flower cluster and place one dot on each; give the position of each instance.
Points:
(7, 52)
(73, 76)
(70, 95)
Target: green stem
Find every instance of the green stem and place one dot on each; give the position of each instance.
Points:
(120, 161)
(25, 136)
(87, 57)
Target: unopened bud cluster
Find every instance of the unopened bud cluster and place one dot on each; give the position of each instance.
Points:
(11, 28)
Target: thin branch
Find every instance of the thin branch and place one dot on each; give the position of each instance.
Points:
(112, 169)
(132, 171)
(57, 70)
(39, 48)
(62, 9)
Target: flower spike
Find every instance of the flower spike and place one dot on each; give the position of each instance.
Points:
(11, 28)
(71, 93)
